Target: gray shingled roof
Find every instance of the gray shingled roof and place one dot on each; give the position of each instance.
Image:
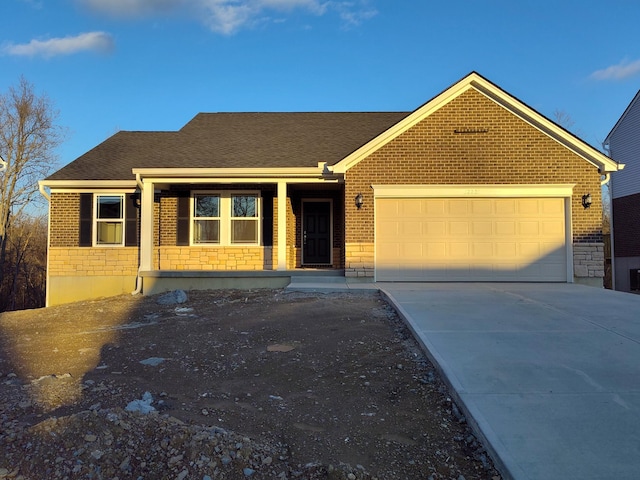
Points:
(233, 140)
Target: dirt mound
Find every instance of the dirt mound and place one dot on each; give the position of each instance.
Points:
(261, 384)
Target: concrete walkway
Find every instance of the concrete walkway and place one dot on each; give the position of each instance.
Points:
(549, 374)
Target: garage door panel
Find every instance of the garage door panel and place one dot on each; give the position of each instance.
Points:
(458, 207)
(552, 228)
(505, 207)
(482, 250)
(434, 228)
(529, 228)
(412, 207)
(458, 228)
(488, 239)
(410, 229)
(528, 207)
(481, 207)
(506, 228)
(481, 228)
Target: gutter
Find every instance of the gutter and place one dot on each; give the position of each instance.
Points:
(43, 192)
(138, 288)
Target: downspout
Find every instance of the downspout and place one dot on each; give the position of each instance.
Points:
(138, 277)
(46, 195)
(606, 147)
(605, 181)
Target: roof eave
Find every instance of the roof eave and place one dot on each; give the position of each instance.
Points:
(88, 184)
(322, 170)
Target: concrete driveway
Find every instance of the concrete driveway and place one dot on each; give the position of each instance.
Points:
(548, 374)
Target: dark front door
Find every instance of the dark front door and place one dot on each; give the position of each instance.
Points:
(316, 233)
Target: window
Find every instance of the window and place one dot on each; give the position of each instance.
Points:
(225, 218)
(244, 219)
(109, 220)
(206, 221)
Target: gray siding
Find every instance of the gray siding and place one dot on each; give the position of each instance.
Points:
(624, 147)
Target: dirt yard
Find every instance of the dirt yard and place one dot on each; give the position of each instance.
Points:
(263, 384)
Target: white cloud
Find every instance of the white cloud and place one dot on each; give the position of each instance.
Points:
(354, 16)
(621, 71)
(228, 16)
(132, 8)
(91, 41)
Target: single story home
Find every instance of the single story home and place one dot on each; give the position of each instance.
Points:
(474, 185)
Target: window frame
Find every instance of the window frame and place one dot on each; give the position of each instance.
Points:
(193, 219)
(226, 217)
(96, 221)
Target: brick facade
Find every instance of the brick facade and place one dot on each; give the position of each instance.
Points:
(67, 258)
(64, 215)
(470, 140)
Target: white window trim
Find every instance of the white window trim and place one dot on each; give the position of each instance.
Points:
(95, 220)
(225, 217)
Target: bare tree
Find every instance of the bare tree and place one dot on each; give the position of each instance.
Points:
(28, 138)
(25, 264)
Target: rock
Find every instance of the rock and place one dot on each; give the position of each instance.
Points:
(152, 361)
(280, 348)
(248, 472)
(142, 406)
(90, 438)
(183, 475)
(171, 298)
(97, 454)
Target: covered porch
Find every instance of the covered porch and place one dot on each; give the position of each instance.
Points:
(213, 228)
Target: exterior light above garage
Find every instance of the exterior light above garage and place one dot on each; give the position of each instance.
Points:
(359, 201)
(586, 200)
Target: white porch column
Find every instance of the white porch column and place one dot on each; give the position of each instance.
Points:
(282, 225)
(146, 227)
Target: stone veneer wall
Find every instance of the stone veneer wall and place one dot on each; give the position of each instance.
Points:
(214, 258)
(588, 260)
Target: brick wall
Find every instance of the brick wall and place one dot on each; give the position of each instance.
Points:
(626, 226)
(64, 216)
(507, 151)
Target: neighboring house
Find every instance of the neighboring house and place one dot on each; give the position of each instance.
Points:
(474, 185)
(623, 143)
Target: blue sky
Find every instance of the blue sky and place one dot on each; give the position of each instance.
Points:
(112, 65)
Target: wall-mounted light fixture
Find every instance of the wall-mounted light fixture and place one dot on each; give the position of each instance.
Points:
(359, 201)
(586, 200)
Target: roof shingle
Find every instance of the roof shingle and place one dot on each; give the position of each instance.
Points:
(233, 140)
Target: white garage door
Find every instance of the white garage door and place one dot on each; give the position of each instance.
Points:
(471, 239)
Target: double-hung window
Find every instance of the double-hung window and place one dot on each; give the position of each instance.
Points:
(244, 219)
(109, 219)
(225, 218)
(206, 218)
